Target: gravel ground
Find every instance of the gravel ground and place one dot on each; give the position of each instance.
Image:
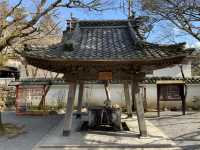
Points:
(183, 130)
(35, 128)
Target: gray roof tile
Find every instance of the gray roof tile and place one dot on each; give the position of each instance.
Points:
(107, 40)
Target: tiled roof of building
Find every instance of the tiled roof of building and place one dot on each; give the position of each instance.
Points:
(60, 81)
(153, 80)
(8, 69)
(38, 81)
(105, 40)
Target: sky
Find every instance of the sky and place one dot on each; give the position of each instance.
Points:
(160, 30)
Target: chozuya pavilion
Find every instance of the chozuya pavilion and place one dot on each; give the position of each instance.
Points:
(104, 50)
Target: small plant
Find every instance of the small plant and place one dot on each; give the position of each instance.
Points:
(11, 130)
(60, 102)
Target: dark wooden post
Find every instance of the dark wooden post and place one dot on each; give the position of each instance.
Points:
(140, 110)
(133, 95)
(127, 98)
(158, 100)
(80, 96)
(183, 98)
(69, 109)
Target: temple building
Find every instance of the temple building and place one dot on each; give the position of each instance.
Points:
(104, 51)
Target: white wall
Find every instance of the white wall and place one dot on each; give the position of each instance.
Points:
(5, 81)
(173, 71)
(94, 94)
(193, 91)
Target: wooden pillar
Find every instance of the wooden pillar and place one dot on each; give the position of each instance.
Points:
(133, 95)
(107, 89)
(80, 96)
(69, 109)
(158, 100)
(183, 98)
(127, 99)
(140, 110)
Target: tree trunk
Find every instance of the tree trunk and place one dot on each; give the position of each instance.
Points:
(41, 104)
(186, 87)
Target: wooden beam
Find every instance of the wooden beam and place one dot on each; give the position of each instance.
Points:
(118, 73)
(69, 109)
(80, 96)
(140, 110)
(127, 99)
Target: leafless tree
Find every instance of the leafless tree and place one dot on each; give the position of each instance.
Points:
(184, 14)
(17, 23)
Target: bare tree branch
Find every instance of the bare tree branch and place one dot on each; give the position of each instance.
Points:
(21, 27)
(184, 14)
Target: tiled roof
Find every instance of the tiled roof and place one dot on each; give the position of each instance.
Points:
(153, 80)
(105, 40)
(38, 81)
(59, 81)
(8, 68)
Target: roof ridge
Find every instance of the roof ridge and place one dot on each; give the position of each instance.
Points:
(105, 20)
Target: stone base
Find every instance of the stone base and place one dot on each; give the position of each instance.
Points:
(66, 132)
(143, 134)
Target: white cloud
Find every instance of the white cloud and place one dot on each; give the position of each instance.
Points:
(176, 30)
(195, 45)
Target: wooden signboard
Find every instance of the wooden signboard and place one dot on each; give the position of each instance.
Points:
(105, 76)
(170, 91)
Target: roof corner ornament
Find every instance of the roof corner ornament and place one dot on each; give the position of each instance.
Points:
(71, 23)
(71, 35)
(130, 12)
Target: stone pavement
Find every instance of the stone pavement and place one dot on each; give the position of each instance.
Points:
(34, 129)
(184, 130)
(103, 140)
